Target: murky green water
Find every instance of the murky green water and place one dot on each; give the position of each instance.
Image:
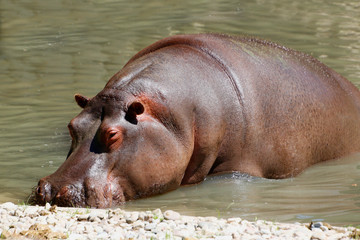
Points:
(50, 50)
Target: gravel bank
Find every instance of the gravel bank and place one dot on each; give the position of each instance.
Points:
(24, 222)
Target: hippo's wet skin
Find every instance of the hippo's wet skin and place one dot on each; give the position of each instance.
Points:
(192, 105)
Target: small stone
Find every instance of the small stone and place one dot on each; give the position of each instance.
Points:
(318, 235)
(211, 219)
(335, 236)
(232, 229)
(53, 209)
(303, 233)
(57, 235)
(108, 228)
(103, 235)
(20, 227)
(131, 217)
(157, 213)
(265, 231)
(236, 235)
(61, 224)
(51, 220)
(17, 213)
(47, 206)
(9, 206)
(183, 233)
(317, 225)
(234, 220)
(93, 218)
(97, 214)
(80, 229)
(164, 226)
(150, 226)
(98, 229)
(39, 227)
(143, 216)
(5, 234)
(324, 228)
(76, 236)
(171, 215)
(117, 235)
(130, 235)
(250, 229)
(83, 217)
(327, 225)
(138, 224)
(223, 238)
(125, 226)
(89, 228)
(208, 228)
(43, 213)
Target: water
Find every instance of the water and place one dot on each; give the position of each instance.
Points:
(321, 193)
(50, 50)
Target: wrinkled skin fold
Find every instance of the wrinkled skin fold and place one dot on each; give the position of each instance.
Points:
(192, 105)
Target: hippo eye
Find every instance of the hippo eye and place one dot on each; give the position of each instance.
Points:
(136, 108)
(112, 134)
(113, 138)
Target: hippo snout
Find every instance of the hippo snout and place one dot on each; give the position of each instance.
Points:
(78, 194)
(67, 196)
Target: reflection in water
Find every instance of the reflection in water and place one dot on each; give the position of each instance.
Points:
(50, 50)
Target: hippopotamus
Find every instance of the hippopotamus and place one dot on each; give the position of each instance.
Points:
(189, 106)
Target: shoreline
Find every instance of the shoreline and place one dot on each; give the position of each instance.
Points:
(51, 222)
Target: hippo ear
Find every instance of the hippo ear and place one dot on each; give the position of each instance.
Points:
(136, 108)
(81, 100)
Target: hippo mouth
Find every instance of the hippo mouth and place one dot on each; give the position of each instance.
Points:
(83, 194)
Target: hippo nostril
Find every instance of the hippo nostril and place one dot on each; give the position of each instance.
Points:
(43, 192)
(38, 191)
(63, 192)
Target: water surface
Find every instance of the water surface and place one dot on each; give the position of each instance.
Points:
(50, 50)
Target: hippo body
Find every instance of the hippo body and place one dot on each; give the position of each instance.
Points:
(193, 105)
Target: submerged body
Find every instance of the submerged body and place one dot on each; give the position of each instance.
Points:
(192, 105)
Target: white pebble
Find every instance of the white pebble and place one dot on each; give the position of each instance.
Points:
(303, 233)
(138, 224)
(47, 206)
(117, 235)
(130, 235)
(171, 215)
(149, 226)
(318, 234)
(102, 235)
(131, 217)
(223, 238)
(83, 217)
(98, 229)
(75, 236)
(183, 233)
(157, 213)
(9, 206)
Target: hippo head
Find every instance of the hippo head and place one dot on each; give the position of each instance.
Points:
(120, 151)
(125, 145)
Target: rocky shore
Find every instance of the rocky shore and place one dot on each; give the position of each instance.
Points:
(51, 222)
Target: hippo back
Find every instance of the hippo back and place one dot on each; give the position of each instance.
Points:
(294, 110)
